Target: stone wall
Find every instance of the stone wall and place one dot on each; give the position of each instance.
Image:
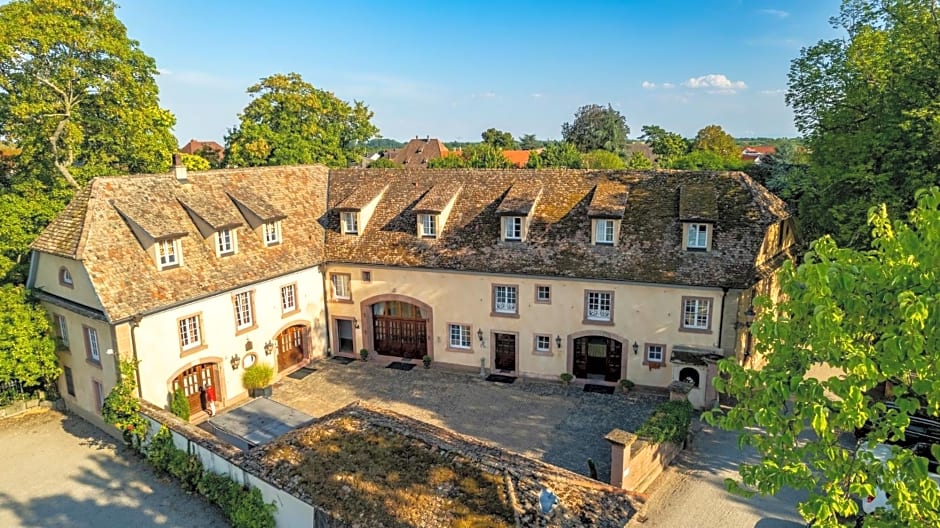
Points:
(635, 463)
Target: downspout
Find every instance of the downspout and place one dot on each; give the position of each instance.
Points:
(135, 322)
(721, 315)
(326, 316)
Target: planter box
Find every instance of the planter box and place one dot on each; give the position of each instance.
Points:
(258, 393)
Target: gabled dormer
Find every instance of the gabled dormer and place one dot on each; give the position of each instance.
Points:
(356, 210)
(606, 212)
(433, 209)
(262, 217)
(516, 210)
(156, 233)
(698, 212)
(216, 219)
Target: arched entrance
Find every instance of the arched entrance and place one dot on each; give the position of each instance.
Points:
(194, 378)
(290, 347)
(399, 328)
(597, 357)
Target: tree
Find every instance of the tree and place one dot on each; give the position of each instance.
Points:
(668, 146)
(873, 316)
(529, 142)
(486, 156)
(868, 103)
(601, 159)
(78, 96)
(212, 156)
(385, 163)
(638, 161)
(556, 154)
(26, 208)
(27, 352)
(499, 139)
(450, 161)
(289, 122)
(714, 139)
(194, 162)
(597, 128)
(706, 160)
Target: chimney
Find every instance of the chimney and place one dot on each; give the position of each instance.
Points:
(179, 170)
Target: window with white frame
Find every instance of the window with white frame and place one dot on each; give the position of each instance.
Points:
(341, 286)
(697, 237)
(504, 299)
(65, 277)
(654, 353)
(225, 242)
(543, 343)
(272, 233)
(190, 334)
(695, 313)
(459, 336)
(63, 329)
(429, 225)
(543, 294)
(512, 228)
(244, 317)
(91, 344)
(350, 222)
(168, 253)
(598, 306)
(604, 231)
(288, 298)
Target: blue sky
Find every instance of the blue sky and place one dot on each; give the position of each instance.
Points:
(453, 69)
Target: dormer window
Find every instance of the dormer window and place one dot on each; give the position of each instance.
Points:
(225, 242)
(65, 277)
(697, 237)
(605, 231)
(350, 222)
(428, 223)
(169, 253)
(272, 233)
(512, 228)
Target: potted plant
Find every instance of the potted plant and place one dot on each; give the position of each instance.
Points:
(257, 379)
(626, 385)
(364, 354)
(427, 361)
(566, 378)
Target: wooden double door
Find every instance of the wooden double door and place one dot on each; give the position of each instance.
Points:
(400, 336)
(195, 378)
(597, 358)
(290, 347)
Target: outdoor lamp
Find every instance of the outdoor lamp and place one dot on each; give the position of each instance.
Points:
(268, 348)
(236, 361)
(480, 334)
(636, 348)
(558, 341)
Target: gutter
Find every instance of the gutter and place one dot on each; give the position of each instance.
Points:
(135, 322)
(721, 314)
(326, 315)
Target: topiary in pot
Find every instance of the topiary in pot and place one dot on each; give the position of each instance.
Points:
(626, 385)
(427, 361)
(257, 379)
(364, 354)
(566, 378)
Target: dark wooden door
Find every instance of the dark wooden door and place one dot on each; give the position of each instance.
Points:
(400, 337)
(614, 355)
(580, 357)
(192, 379)
(505, 350)
(290, 347)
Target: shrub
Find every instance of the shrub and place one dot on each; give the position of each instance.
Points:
(122, 408)
(160, 450)
(626, 384)
(179, 405)
(566, 377)
(364, 353)
(258, 376)
(669, 422)
(426, 360)
(250, 511)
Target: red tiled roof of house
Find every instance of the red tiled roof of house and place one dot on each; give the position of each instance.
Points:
(194, 146)
(519, 158)
(754, 152)
(417, 153)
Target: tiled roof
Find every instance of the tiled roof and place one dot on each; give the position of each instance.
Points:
(195, 146)
(609, 200)
(437, 197)
(519, 158)
(124, 273)
(558, 242)
(358, 198)
(698, 201)
(213, 209)
(418, 152)
(752, 153)
(520, 198)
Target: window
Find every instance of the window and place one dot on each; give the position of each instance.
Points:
(655, 353)
(98, 391)
(168, 253)
(341, 286)
(460, 336)
(543, 294)
(69, 381)
(190, 335)
(695, 313)
(65, 277)
(224, 242)
(604, 232)
(599, 306)
(512, 228)
(288, 298)
(91, 345)
(429, 225)
(63, 329)
(366, 276)
(504, 299)
(351, 222)
(543, 343)
(698, 237)
(243, 316)
(272, 233)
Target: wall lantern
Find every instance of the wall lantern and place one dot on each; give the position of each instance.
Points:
(236, 361)
(558, 341)
(356, 323)
(268, 348)
(636, 348)
(480, 335)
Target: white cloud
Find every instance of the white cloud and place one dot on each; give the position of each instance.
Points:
(777, 91)
(646, 85)
(779, 13)
(715, 83)
(668, 85)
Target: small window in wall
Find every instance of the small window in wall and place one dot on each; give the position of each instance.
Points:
(655, 353)
(272, 233)
(604, 232)
(69, 381)
(65, 277)
(91, 345)
(98, 392)
(340, 286)
(695, 314)
(512, 228)
(350, 222)
(504, 299)
(697, 238)
(168, 253)
(543, 294)
(366, 276)
(289, 298)
(428, 225)
(62, 329)
(344, 336)
(543, 344)
(459, 336)
(598, 306)
(225, 242)
(190, 332)
(244, 310)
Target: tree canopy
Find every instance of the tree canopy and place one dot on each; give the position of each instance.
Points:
(499, 139)
(289, 121)
(529, 142)
(668, 146)
(27, 351)
(638, 161)
(873, 317)
(556, 154)
(868, 103)
(597, 128)
(601, 159)
(713, 138)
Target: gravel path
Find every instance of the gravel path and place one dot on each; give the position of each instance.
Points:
(59, 470)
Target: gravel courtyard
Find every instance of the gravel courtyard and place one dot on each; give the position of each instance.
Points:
(60, 471)
(537, 419)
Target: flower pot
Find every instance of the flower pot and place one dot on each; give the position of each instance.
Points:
(262, 392)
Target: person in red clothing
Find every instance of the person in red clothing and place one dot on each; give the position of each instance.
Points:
(210, 398)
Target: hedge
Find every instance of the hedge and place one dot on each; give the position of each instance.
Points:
(669, 422)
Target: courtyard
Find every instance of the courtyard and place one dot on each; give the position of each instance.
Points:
(539, 419)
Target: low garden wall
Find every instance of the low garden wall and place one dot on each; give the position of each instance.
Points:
(20, 406)
(637, 459)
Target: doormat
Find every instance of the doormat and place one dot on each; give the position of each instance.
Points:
(301, 373)
(600, 389)
(343, 360)
(398, 365)
(500, 378)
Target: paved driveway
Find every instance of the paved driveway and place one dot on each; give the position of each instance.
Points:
(60, 471)
(538, 419)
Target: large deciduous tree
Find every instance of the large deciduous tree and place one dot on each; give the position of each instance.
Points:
(529, 142)
(289, 121)
(499, 139)
(601, 159)
(27, 351)
(78, 96)
(873, 317)
(668, 146)
(558, 154)
(869, 105)
(713, 138)
(597, 128)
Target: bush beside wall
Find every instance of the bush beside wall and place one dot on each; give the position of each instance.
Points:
(669, 422)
